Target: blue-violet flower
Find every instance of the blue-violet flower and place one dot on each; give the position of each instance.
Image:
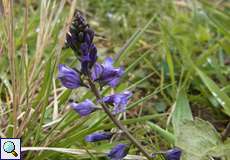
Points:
(118, 152)
(98, 136)
(89, 56)
(84, 108)
(173, 154)
(68, 77)
(119, 101)
(106, 74)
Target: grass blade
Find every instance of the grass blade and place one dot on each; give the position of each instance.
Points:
(133, 39)
(220, 96)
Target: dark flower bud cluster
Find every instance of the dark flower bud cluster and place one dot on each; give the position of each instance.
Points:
(80, 40)
(79, 33)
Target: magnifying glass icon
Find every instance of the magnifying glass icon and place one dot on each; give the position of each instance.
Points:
(9, 147)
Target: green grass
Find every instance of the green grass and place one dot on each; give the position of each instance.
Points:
(177, 60)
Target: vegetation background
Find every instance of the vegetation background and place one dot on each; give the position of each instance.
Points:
(176, 55)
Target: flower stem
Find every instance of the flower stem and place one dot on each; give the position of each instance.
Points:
(117, 122)
(226, 132)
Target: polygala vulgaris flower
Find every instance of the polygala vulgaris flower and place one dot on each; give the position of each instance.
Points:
(106, 74)
(98, 136)
(68, 77)
(119, 101)
(172, 154)
(84, 108)
(118, 152)
(89, 57)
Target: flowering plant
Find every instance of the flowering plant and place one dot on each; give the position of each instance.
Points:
(80, 39)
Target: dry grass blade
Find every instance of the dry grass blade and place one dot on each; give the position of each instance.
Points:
(9, 19)
(49, 17)
(55, 110)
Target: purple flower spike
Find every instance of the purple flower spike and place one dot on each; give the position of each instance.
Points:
(88, 36)
(84, 108)
(119, 101)
(89, 57)
(118, 152)
(98, 136)
(106, 74)
(68, 77)
(79, 33)
(173, 154)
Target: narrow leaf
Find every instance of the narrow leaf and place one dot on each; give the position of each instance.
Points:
(220, 96)
(181, 110)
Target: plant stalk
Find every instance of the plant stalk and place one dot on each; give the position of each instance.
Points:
(226, 132)
(8, 13)
(117, 122)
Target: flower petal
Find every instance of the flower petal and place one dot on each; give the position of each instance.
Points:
(98, 136)
(108, 62)
(97, 71)
(84, 108)
(68, 77)
(118, 152)
(119, 101)
(106, 74)
(173, 154)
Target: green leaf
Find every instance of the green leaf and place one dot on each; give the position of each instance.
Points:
(197, 138)
(181, 110)
(162, 132)
(221, 150)
(168, 58)
(220, 96)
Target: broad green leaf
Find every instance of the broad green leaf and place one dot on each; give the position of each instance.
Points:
(220, 96)
(221, 150)
(197, 138)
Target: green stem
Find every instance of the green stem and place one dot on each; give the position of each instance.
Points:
(226, 132)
